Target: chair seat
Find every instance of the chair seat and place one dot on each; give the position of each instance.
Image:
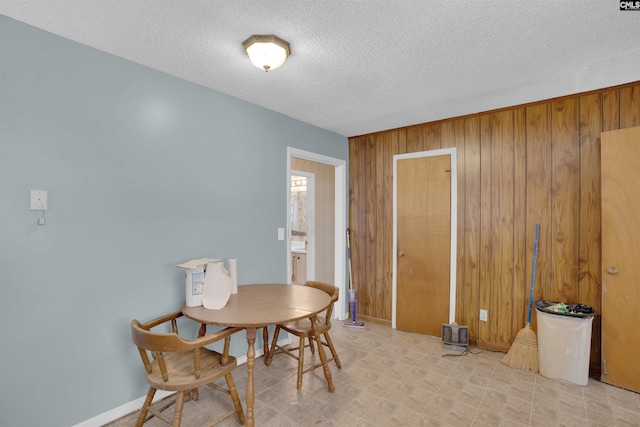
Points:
(303, 327)
(181, 367)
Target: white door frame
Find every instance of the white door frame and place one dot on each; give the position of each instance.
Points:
(340, 194)
(454, 226)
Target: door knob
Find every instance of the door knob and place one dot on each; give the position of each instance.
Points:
(401, 253)
(612, 270)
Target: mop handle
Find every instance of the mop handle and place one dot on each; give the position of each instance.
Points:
(349, 259)
(533, 272)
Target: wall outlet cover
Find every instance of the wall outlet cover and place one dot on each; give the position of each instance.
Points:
(39, 200)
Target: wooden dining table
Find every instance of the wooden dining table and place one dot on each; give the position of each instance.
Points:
(258, 306)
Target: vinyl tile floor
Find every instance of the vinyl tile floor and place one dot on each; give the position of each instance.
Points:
(396, 378)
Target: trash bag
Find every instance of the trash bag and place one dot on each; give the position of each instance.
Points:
(562, 309)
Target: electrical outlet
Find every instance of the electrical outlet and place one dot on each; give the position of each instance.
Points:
(484, 315)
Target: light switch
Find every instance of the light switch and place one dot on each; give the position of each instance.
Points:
(280, 233)
(39, 200)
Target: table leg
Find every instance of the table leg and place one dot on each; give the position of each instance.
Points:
(251, 361)
(265, 343)
(323, 356)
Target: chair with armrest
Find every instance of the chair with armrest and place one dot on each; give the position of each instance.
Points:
(302, 329)
(181, 365)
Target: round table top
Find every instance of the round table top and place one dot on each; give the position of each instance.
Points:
(262, 305)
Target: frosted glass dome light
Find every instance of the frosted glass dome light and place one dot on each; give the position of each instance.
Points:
(267, 52)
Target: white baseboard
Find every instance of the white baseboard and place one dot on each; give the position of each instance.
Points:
(134, 405)
(121, 411)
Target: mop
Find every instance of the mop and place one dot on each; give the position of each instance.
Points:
(352, 293)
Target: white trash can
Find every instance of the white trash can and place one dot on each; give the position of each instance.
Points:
(564, 346)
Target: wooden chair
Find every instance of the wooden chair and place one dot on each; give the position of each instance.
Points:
(182, 365)
(302, 329)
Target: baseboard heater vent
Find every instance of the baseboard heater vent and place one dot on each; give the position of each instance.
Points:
(455, 337)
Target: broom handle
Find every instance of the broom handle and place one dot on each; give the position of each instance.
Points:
(533, 271)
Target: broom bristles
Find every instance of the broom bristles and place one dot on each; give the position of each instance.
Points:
(523, 353)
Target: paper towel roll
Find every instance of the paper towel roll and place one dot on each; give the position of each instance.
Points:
(233, 272)
(216, 265)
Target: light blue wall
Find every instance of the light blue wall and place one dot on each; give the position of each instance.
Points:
(144, 171)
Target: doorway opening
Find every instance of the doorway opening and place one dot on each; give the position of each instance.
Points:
(302, 226)
(329, 222)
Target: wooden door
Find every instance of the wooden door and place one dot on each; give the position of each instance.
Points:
(423, 204)
(620, 257)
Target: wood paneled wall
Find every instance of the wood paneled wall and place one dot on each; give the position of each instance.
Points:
(535, 163)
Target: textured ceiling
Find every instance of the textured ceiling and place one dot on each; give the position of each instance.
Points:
(360, 66)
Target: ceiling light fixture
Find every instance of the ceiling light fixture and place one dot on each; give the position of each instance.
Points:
(267, 52)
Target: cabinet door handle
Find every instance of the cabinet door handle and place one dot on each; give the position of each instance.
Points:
(401, 253)
(612, 270)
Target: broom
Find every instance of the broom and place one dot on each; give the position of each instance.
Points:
(353, 323)
(523, 353)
